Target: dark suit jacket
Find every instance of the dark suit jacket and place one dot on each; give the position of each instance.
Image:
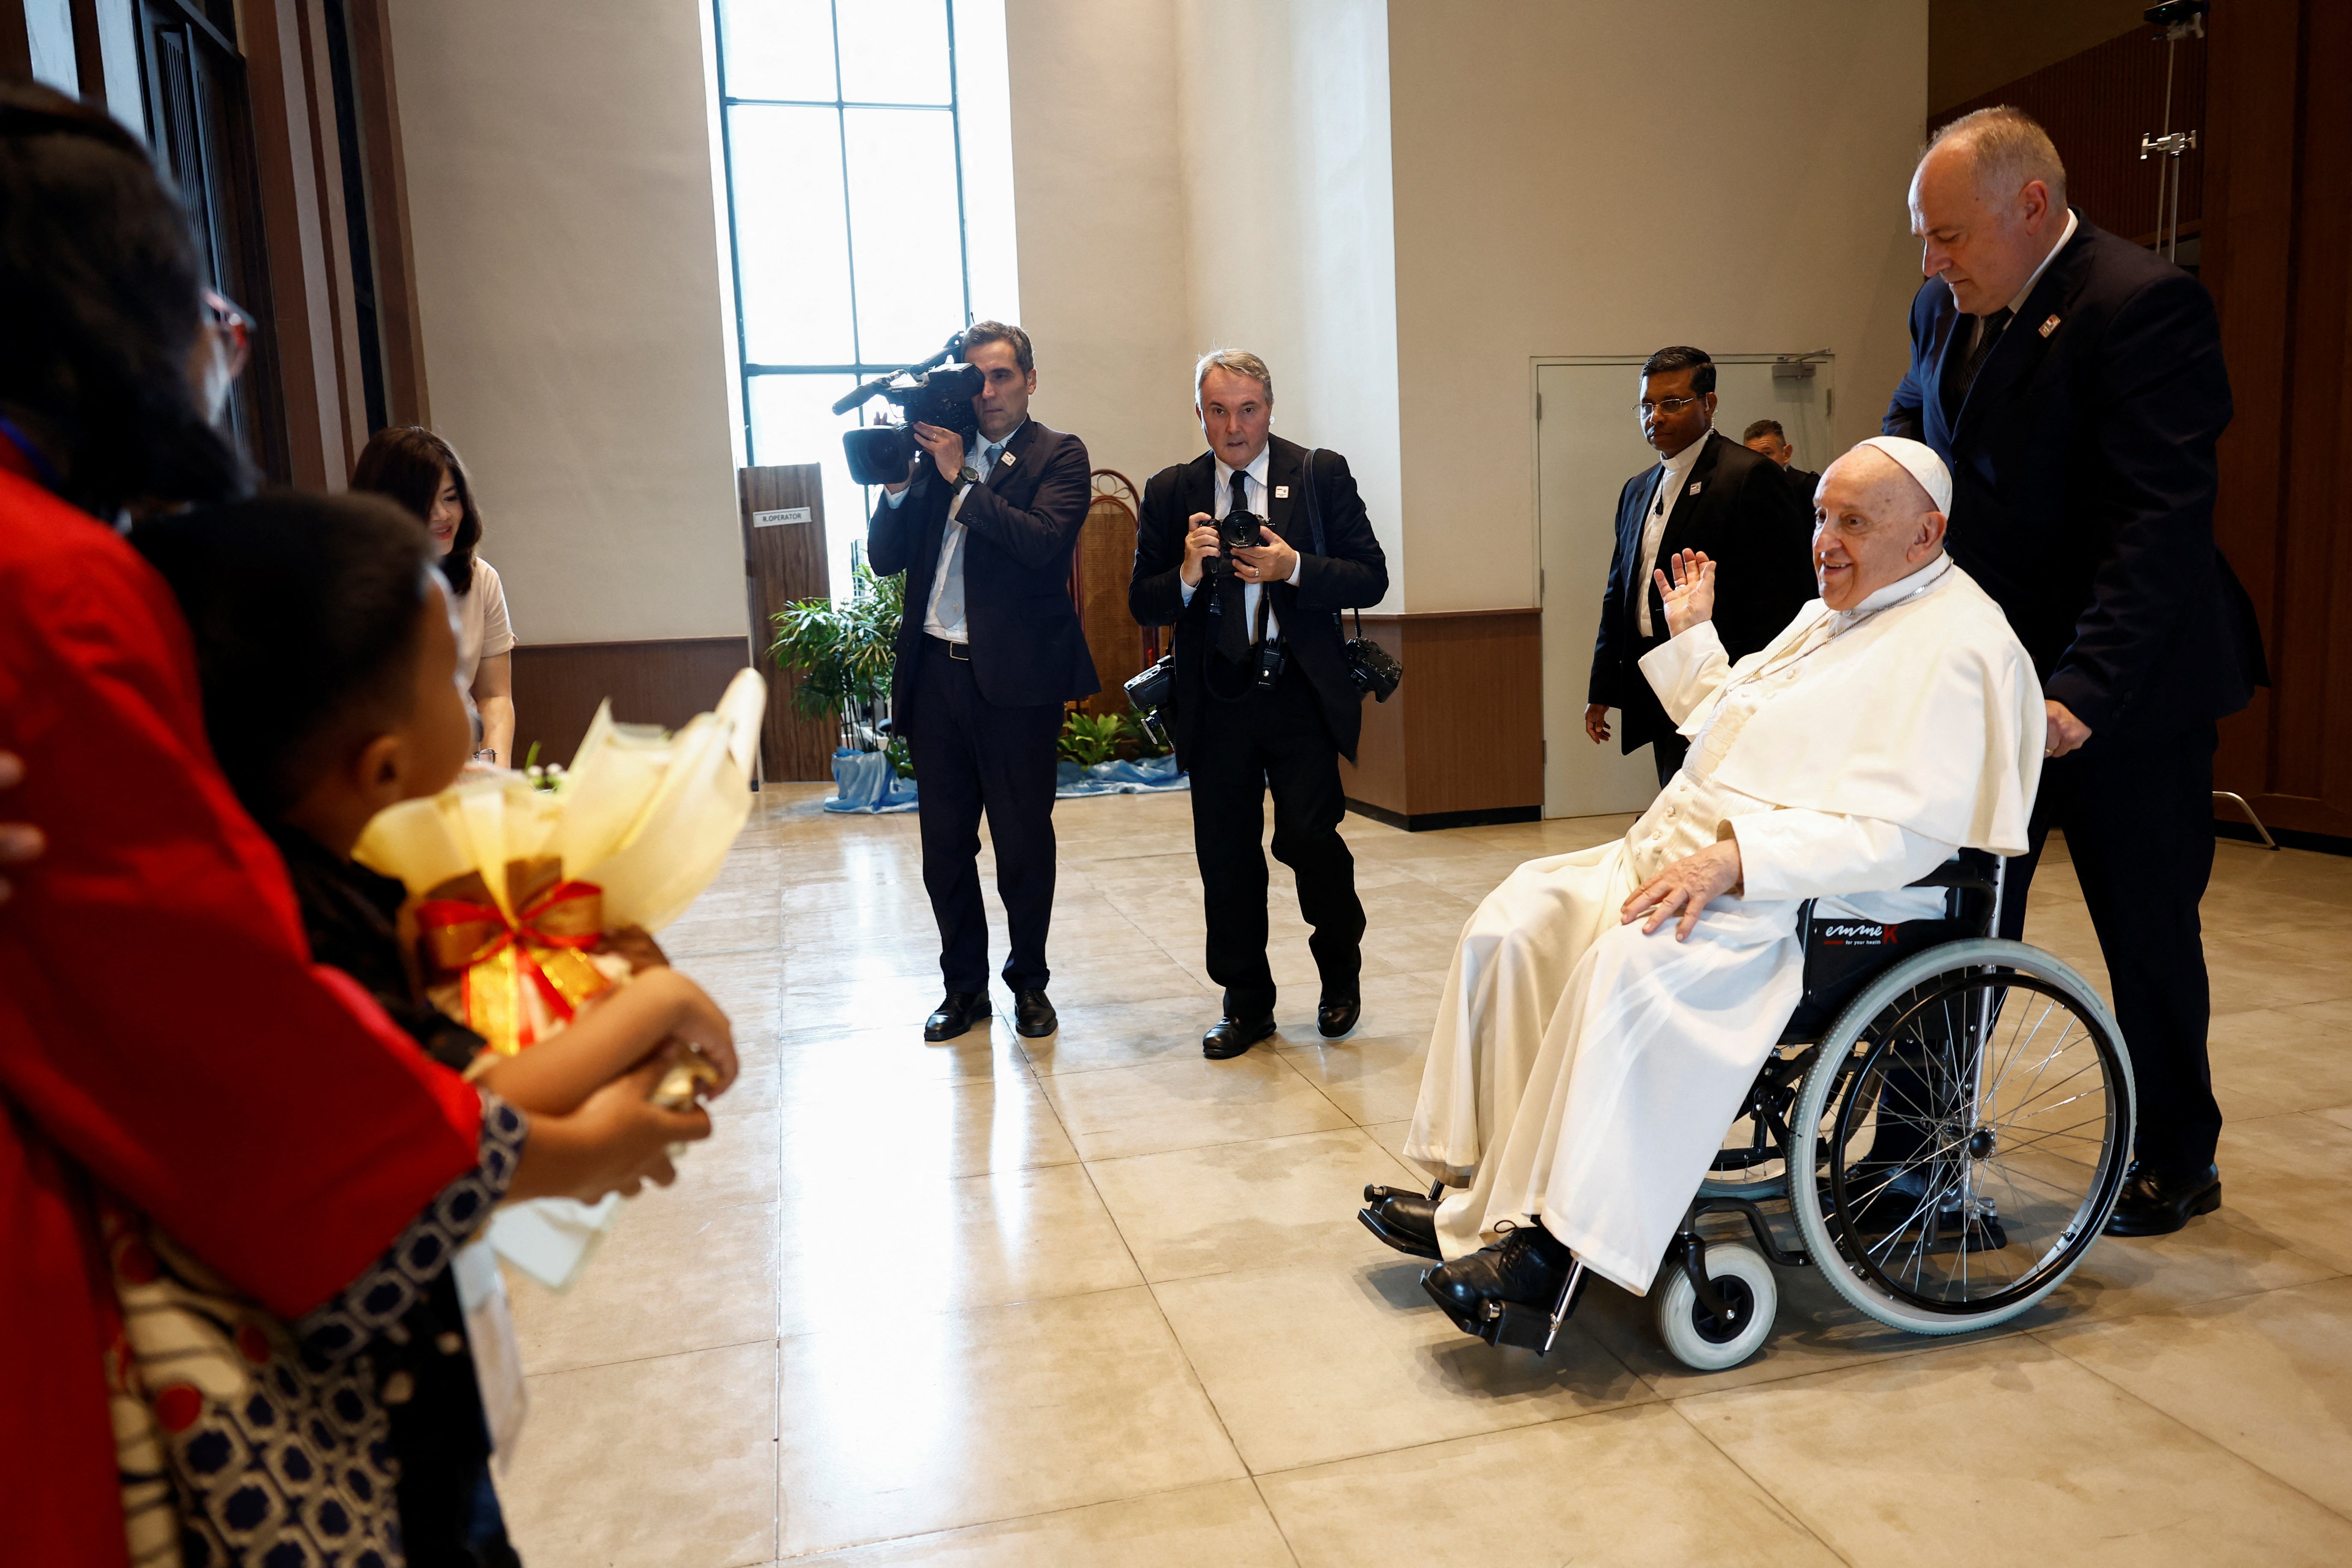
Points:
(1350, 574)
(2082, 481)
(1027, 648)
(1747, 519)
(1804, 483)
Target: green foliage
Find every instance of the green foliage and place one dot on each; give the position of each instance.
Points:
(902, 760)
(844, 652)
(1087, 740)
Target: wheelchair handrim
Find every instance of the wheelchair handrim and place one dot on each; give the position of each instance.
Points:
(1820, 1203)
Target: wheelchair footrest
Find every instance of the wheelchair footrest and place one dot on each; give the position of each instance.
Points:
(1509, 1324)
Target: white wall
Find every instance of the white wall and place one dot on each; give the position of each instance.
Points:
(560, 195)
(1101, 217)
(1597, 179)
(1284, 125)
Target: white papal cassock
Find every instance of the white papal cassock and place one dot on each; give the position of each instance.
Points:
(1584, 1072)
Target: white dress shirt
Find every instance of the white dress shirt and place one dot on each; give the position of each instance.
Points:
(982, 462)
(1254, 486)
(1672, 474)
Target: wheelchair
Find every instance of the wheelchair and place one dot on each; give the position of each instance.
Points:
(1947, 1116)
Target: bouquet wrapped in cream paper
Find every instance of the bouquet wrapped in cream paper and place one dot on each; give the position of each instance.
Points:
(514, 889)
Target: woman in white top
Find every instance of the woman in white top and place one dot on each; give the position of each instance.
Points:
(421, 471)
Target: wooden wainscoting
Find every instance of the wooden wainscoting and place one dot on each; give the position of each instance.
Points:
(1461, 741)
(558, 685)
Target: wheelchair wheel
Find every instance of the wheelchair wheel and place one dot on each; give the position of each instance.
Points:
(1739, 1273)
(1974, 1111)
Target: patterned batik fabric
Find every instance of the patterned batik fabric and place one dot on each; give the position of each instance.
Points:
(271, 1441)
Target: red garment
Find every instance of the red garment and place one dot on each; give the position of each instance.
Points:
(162, 1026)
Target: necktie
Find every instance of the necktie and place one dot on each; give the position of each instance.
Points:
(951, 585)
(1233, 601)
(1988, 334)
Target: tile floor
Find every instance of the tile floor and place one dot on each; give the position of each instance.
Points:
(1094, 1299)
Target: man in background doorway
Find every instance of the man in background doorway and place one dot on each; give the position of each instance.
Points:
(988, 650)
(1704, 493)
(1765, 436)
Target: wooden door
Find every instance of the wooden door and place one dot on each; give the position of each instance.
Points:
(782, 518)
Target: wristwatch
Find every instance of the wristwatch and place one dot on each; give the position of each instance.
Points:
(971, 476)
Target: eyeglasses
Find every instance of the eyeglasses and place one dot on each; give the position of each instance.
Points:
(1662, 406)
(232, 326)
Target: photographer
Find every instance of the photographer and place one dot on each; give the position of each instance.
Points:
(1262, 695)
(988, 653)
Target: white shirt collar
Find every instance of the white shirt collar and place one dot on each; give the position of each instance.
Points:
(1895, 593)
(1682, 462)
(1256, 470)
(2068, 232)
(985, 443)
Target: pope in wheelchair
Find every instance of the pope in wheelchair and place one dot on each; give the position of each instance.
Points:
(1794, 941)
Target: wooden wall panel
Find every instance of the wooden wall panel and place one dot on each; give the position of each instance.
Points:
(557, 686)
(1100, 570)
(2095, 105)
(783, 563)
(2279, 218)
(1462, 739)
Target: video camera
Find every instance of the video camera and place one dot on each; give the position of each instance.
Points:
(939, 391)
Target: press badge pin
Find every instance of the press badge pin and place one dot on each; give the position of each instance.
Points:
(1005, 458)
(1282, 492)
(1694, 490)
(2049, 326)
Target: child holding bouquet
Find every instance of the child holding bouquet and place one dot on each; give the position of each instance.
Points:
(327, 658)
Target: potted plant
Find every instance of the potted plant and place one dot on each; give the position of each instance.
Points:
(844, 653)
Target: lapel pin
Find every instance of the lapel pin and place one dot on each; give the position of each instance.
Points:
(1282, 492)
(2049, 326)
(1694, 484)
(1005, 458)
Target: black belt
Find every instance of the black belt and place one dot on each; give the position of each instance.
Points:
(959, 651)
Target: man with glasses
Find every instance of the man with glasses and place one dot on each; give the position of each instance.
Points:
(1709, 494)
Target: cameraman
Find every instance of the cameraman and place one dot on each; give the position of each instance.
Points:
(1263, 697)
(988, 650)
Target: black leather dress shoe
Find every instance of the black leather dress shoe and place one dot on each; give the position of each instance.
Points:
(1338, 1015)
(2158, 1206)
(1528, 1267)
(1231, 1037)
(957, 1011)
(1406, 1221)
(1032, 1016)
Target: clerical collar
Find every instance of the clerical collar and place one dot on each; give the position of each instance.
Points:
(1682, 462)
(1256, 470)
(2068, 232)
(1893, 594)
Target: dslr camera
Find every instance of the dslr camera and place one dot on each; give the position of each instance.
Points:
(937, 391)
(1235, 530)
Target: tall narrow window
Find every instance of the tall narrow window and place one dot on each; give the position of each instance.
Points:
(870, 208)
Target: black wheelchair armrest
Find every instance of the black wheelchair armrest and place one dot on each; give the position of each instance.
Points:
(1970, 868)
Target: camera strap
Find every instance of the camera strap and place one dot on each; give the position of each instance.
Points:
(1315, 525)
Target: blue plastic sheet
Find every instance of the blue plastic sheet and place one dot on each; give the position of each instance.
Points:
(1150, 776)
(865, 781)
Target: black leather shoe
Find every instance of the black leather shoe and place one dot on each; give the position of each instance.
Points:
(1338, 1015)
(1231, 1037)
(1032, 1016)
(2157, 1206)
(1528, 1267)
(1406, 1221)
(957, 1011)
